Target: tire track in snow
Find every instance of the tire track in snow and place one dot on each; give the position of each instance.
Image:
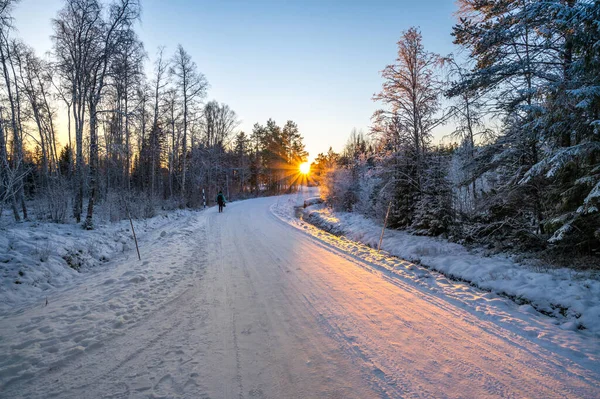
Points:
(302, 361)
(460, 313)
(530, 358)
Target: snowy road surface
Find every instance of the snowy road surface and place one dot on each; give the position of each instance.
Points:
(242, 305)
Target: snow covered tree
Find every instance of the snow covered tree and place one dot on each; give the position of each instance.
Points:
(537, 58)
(434, 212)
(324, 163)
(468, 112)
(411, 90)
(341, 186)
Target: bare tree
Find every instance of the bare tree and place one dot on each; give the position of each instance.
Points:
(412, 92)
(8, 181)
(192, 86)
(12, 94)
(122, 15)
(172, 121)
(61, 89)
(77, 31)
(127, 73)
(35, 85)
(219, 123)
(159, 84)
(86, 44)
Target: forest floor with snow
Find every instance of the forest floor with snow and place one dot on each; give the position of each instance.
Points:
(571, 298)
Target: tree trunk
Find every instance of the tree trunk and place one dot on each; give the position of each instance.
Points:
(78, 116)
(184, 144)
(70, 169)
(16, 136)
(93, 165)
(4, 172)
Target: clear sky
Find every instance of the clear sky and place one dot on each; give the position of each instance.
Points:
(314, 62)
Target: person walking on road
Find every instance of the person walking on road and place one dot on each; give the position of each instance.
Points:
(221, 201)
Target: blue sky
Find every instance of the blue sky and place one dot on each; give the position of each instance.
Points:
(314, 62)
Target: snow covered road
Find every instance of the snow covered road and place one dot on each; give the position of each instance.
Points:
(243, 305)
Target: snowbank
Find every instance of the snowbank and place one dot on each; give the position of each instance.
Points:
(37, 257)
(572, 297)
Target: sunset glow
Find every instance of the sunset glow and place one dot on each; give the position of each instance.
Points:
(304, 168)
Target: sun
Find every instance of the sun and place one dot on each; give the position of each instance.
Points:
(304, 168)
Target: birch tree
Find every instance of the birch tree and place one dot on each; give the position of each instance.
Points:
(122, 14)
(157, 133)
(35, 85)
(192, 86)
(85, 44)
(77, 32)
(127, 75)
(14, 170)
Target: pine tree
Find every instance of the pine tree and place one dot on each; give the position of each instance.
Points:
(547, 155)
(434, 211)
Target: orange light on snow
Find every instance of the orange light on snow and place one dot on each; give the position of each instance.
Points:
(304, 168)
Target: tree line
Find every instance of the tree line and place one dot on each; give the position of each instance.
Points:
(523, 97)
(135, 139)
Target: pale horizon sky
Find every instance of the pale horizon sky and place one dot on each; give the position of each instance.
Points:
(315, 62)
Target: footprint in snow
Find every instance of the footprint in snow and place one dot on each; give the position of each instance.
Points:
(137, 279)
(45, 330)
(164, 385)
(378, 372)
(247, 330)
(256, 393)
